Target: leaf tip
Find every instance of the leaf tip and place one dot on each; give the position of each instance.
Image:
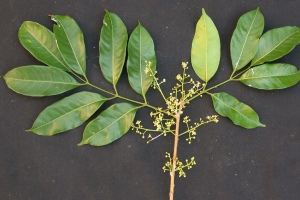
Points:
(53, 18)
(107, 12)
(203, 11)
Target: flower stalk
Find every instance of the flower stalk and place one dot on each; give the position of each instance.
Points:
(174, 160)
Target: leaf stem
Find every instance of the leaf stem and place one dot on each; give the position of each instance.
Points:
(145, 104)
(98, 88)
(77, 76)
(145, 99)
(206, 90)
(116, 91)
(232, 78)
(218, 85)
(241, 72)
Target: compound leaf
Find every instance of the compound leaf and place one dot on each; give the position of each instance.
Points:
(67, 113)
(271, 76)
(239, 113)
(70, 42)
(276, 43)
(41, 43)
(140, 50)
(110, 125)
(37, 81)
(206, 48)
(112, 47)
(243, 45)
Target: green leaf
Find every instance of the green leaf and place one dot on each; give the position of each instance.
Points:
(276, 43)
(243, 45)
(41, 43)
(206, 48)
(140, 50)
(110, 125)
(271, 76)
(67, 113)
(70, 42)
(37, 81)
(112, 47)
(239, 113)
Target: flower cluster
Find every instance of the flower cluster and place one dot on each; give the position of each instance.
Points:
(191, 129)
(185, 90)
(162, 125)
(180, 166)
(172, 105)
(155, 84)
(138, 127)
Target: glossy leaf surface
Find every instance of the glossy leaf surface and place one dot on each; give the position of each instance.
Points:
(112, 47)
(110, 125)
(37, 81)
(276, 43)
(140, 49)
(271, 76)
(206, 48)
(243, 45)
(41, 43)
(67, 113)
(70, 42)
(239, 113)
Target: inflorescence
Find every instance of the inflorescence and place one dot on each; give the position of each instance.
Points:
(185, 90)
(180, 166)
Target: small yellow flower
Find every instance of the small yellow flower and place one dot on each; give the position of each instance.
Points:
(179, 77)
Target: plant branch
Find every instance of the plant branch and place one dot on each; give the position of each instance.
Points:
(176, 140)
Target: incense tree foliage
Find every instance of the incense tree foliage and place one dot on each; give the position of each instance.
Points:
(63, 54)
